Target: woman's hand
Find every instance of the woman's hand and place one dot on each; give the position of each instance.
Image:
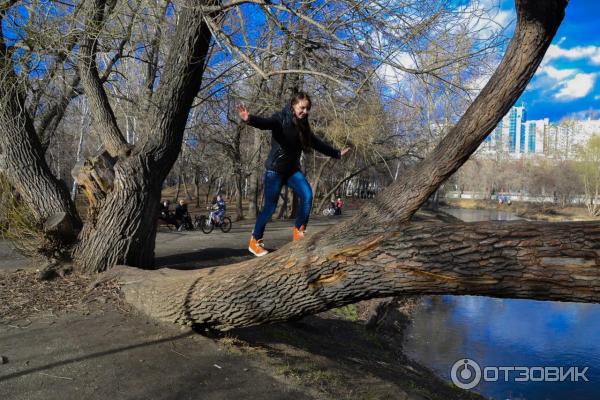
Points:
(344, 151)
(243, 112)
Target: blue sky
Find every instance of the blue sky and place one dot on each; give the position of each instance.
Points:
(568, 81)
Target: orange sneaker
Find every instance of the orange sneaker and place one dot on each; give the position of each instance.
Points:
(257, 247)
(298, 233)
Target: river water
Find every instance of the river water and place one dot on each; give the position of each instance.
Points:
(537, 338)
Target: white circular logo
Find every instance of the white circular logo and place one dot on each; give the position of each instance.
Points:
(465, 373)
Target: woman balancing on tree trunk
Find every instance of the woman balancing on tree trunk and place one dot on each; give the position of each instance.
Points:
(291, 134)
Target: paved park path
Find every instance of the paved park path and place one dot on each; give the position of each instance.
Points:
(108, 354)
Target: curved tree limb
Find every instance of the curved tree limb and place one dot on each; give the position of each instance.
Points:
(22, 154)
(103, 117)
(537, 22)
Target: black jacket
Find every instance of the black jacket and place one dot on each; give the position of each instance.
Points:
(286, 148)
(181, 211)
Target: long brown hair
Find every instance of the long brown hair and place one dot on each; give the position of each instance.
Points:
(304, 132)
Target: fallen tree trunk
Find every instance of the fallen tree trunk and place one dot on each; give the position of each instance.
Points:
(543, 261)
(379, 253)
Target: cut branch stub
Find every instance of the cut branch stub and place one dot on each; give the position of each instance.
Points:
(95, 177)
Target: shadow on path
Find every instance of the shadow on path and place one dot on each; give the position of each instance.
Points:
(204, 258)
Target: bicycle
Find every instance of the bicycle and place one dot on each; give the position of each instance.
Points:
(208, 224)
(329, 211)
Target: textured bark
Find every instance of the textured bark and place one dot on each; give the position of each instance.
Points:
(103, 117)
(239, 184)
(541, 261)
(23, 160)
(125, 228)
(363, 259)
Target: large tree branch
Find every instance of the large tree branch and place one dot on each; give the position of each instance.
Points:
(103, 117)
(542, 261)
(180, 83)
(537, 23)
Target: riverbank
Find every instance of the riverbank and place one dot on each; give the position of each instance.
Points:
(65, 339)
(530, 211)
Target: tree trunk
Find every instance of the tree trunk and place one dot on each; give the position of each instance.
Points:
(541, 261)
(178, 189)
(197, 188)
(188, 196)
(239, 181)
(125, 228)
(254, 186)
(284, 205)
(22, 156)
(295, 205)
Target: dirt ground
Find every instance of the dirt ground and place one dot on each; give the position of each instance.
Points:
(65, 340)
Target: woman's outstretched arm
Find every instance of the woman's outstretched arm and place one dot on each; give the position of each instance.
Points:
(256, 121)
(325, 148)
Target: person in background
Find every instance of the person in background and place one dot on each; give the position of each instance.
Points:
(219, 207)
(182, 215)
(338, 206)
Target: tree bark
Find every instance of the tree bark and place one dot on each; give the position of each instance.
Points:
(125, 228)
(254, 186)
(178, 189)
(540, 261)
(239, 182)
(23, 161)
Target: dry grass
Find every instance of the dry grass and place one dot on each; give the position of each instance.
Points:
(23, 295)
(18, 224)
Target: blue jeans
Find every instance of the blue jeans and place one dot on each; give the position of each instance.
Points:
(273, 185)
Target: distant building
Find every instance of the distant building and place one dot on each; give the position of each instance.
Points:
(515, 137)
(511, 135)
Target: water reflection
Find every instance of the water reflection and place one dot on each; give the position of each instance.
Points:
(481, 215)
(507, 332)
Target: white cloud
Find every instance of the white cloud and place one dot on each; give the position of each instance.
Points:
(477, 84)
(590, 53)
(577, 87)
(392, 75)
(555, 73)
(485, 18)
